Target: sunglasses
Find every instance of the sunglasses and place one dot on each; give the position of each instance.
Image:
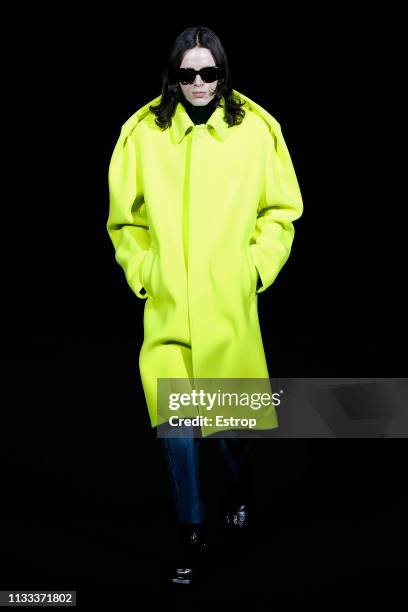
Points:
(187, 76)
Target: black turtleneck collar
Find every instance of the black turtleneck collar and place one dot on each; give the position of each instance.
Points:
(199, 114)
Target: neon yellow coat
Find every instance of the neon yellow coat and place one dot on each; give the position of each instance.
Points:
(199, 214)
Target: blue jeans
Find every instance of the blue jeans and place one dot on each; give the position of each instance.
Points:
(182, 455)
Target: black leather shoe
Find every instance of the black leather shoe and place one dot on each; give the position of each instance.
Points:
(237, 532)
(192, 548)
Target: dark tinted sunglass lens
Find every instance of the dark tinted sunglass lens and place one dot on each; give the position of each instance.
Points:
(186, 75)
(209, 74)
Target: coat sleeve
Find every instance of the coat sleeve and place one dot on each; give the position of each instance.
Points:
(127, 223)
(280, 204)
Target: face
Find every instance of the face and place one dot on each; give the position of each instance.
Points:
(198, 58)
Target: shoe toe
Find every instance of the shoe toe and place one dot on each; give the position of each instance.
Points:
(239, 519)
(183, 575)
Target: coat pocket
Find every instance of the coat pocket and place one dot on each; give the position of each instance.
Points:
(147, 269)
(253, 271)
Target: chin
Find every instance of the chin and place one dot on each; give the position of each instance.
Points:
(201, 101)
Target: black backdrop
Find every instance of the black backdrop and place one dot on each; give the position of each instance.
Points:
(76, 82)
(78, 455)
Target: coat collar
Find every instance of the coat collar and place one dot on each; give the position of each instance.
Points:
(181, 123)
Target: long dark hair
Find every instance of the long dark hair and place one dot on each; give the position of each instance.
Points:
(171, 92)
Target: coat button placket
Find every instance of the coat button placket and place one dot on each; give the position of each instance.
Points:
(197, 132)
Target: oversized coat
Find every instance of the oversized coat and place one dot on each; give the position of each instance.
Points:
(200, 217)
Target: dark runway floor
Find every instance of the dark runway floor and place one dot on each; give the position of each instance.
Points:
(119, 559)
(85, 504)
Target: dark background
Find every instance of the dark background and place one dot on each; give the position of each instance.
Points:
(75, 85)
(85, 496)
